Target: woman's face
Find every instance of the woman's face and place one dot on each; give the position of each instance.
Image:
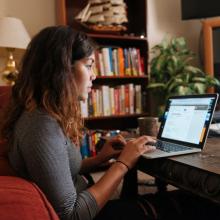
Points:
(84, 75)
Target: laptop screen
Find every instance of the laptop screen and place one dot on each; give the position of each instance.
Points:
(187, 118)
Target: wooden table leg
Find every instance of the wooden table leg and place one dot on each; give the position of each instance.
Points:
(161, 185)
(130, 185)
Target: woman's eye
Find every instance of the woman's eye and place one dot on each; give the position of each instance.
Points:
(89, 67)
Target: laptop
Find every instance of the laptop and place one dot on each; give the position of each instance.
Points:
(185, 125)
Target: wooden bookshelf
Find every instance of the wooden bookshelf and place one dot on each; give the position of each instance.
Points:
(134, 37)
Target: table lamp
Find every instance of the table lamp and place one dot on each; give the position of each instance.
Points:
(13, 35)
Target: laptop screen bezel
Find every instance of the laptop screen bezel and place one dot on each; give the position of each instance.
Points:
(201, 144)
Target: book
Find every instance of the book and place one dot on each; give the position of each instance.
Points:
(106, 61)
(121, 62)
(105, 100)
(84, 108)
(84, 149)
(138, 102)
(101, 64)
(131, 98)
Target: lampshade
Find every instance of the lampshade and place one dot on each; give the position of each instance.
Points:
(13, 33)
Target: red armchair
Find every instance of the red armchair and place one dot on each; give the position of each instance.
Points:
(19, 198)
(5, 93)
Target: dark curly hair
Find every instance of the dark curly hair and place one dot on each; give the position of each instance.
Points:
(46, 80)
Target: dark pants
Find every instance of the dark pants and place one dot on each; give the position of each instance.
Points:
(121, 210)
(175, 205)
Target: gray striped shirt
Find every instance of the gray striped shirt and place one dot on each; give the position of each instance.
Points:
(40, 152)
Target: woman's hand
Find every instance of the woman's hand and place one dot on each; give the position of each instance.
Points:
(111, 148)
(107, 184)
(134, 149)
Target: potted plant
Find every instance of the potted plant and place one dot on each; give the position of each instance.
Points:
(172, 73)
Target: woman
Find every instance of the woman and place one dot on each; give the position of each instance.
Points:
(43, 126)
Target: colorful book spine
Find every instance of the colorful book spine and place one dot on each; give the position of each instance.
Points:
(138, 101)
(106, 61)
(84, 149)
(121, 61)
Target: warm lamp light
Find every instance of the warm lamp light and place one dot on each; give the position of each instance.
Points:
(12, 35)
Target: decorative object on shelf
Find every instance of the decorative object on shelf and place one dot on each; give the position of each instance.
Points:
(172, 74)
(104, 15)
(12, 35)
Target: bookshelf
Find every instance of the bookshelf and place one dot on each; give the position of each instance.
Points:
(134, 37)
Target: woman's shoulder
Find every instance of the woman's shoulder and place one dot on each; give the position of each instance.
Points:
(37, 116)
(38, 121)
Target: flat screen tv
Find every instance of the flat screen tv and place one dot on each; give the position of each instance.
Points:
(192, 9)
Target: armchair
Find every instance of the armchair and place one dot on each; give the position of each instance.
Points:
(19, 198)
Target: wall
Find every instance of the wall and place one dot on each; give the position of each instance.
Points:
(164, 18)
(2, 7)
(35, 14)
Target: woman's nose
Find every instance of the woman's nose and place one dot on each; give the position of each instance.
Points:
(93, 75)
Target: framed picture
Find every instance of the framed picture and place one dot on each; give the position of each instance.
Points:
(211, 45)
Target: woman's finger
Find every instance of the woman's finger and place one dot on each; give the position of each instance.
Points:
(143, 140)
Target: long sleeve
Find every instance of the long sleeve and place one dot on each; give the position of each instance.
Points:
(40, 154)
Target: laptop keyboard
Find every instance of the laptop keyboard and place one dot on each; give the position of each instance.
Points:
(170, 147)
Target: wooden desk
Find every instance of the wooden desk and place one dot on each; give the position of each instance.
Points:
(198, 173)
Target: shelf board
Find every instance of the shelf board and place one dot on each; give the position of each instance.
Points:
(117, 37)
(122, 77)
(119, 122)
(118, 80)
(116, 116)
